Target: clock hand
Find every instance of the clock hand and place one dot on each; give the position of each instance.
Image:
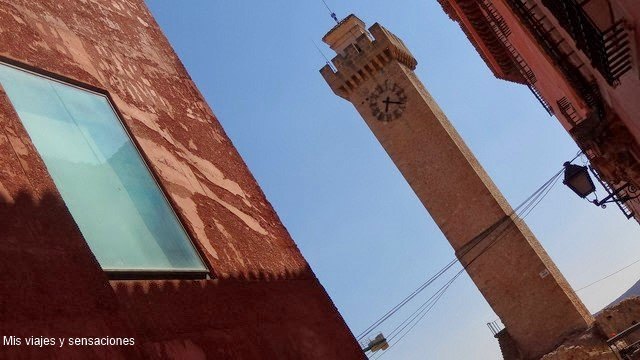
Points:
(386, 109)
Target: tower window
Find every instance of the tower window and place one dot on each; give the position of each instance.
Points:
(113, 197)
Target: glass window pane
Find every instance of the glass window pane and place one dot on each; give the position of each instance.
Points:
(102, 178)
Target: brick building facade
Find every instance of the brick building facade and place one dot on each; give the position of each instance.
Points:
(580, 60)
(254, 295)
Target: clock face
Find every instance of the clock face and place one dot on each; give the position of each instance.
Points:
(387, 101)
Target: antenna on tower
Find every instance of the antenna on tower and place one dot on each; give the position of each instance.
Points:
(333, 15)
(323, 55)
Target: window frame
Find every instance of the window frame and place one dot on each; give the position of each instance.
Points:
(121, 274)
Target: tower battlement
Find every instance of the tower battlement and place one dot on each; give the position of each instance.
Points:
(361, 54)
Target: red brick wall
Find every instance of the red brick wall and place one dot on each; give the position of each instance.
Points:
(265, 301)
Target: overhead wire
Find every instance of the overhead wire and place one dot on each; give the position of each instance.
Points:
(326, 59)
(523, 214)
(425, 312)
(521, 211)
(553, 184)
(526, 210)
(429, 305)
(610, 275)
(474, 242)
(412, 321)
(393, 310)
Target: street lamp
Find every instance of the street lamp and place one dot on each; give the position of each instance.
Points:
(577, 178)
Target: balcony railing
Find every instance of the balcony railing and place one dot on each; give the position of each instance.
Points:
(569, 111)
(622, 194)
(502, 31)
(495, 327)
(587, 89)
(621, 345)
(609, 50)
(479, 20)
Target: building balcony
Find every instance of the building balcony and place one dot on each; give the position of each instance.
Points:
(607, 44)
(550, 42)
(501, 31)
(475, 22)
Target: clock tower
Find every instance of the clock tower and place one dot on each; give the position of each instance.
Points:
(374, 70)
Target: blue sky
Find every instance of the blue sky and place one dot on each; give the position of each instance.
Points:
(354, 217)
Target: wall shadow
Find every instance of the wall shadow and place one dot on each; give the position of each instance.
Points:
(51, 285)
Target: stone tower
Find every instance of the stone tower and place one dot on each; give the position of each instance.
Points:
(374, 71)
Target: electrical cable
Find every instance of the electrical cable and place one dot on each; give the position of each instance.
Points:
(526, 207)
(474, 242)
(405, 300)
(610, 275)
(416, 313)
(543, 196)
(424, 313)
(426, 307)
(326, 59)
(430, 304)
(520, 218)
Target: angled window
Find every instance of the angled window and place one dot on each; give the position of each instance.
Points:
(106, 185)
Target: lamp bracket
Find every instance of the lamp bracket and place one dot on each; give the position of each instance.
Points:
(629, 190)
